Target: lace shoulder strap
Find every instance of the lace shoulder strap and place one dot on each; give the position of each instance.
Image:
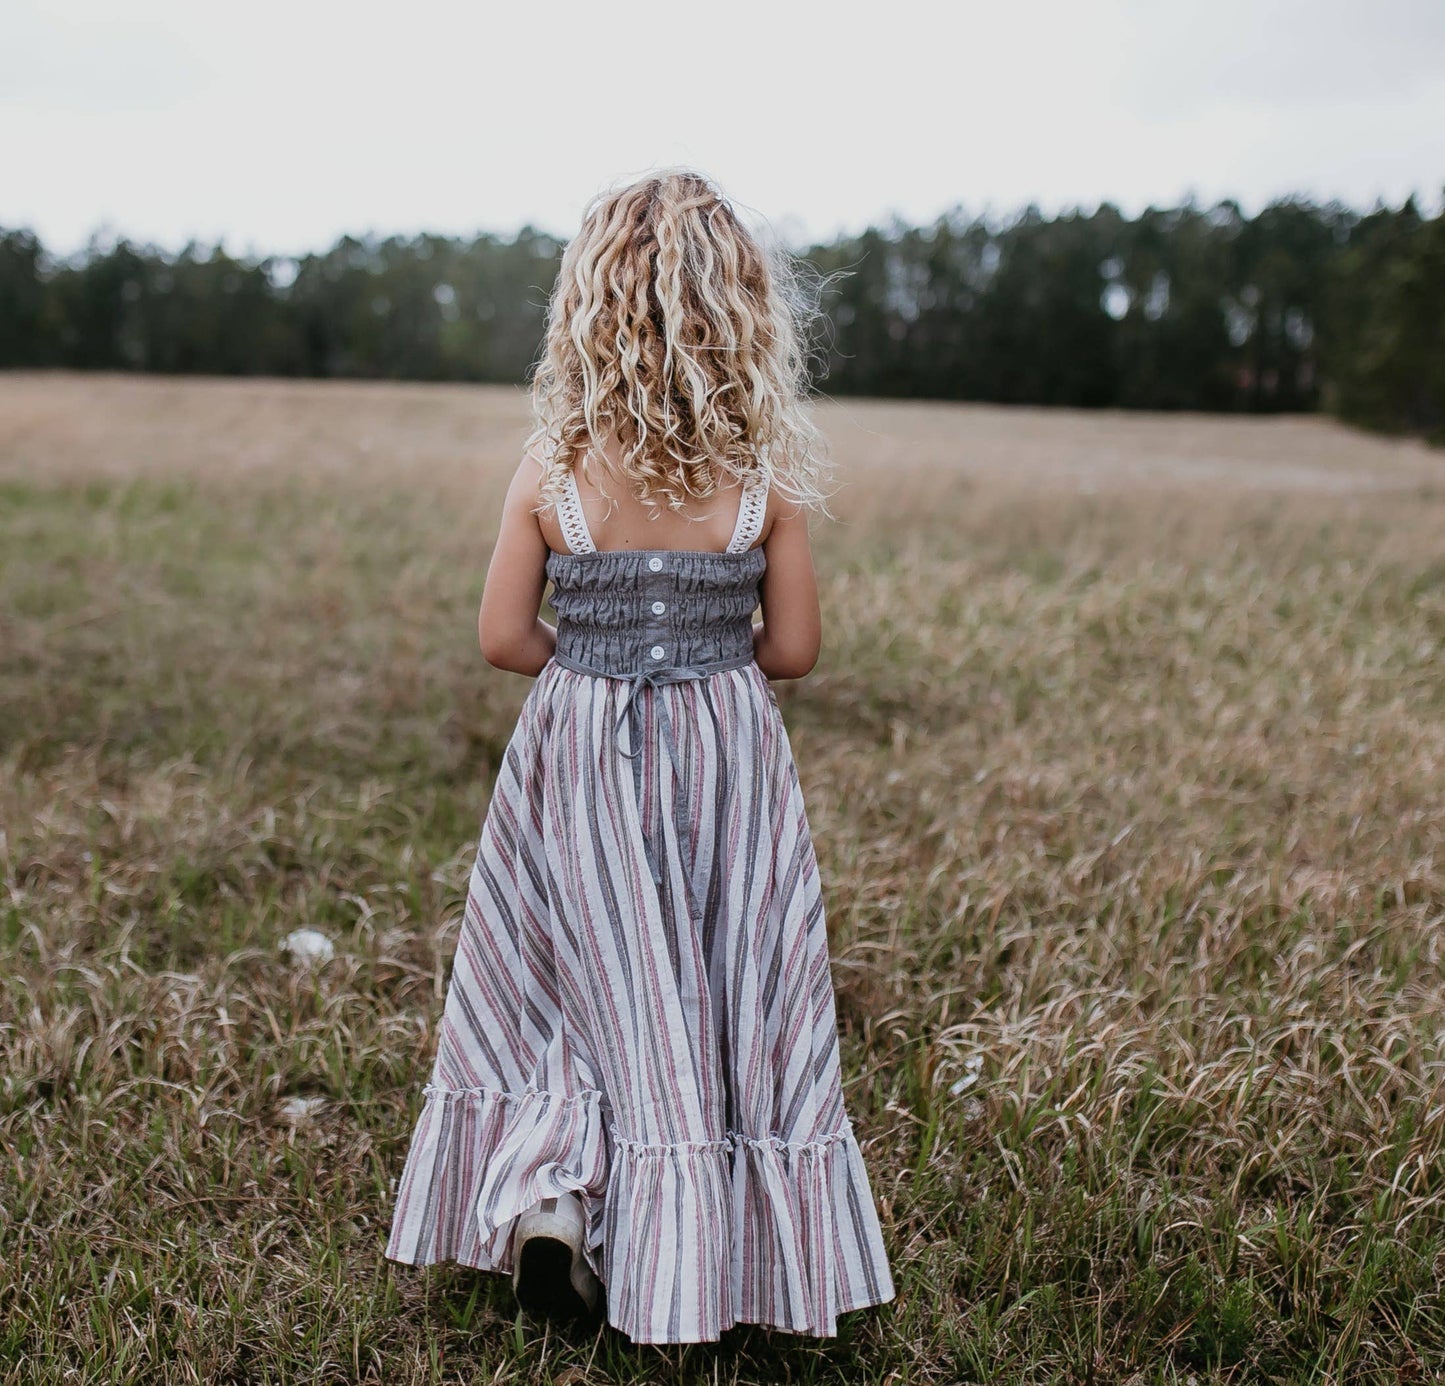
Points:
(571, 519)
(752, 508)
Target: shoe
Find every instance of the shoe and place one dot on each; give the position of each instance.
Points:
(550, 1275)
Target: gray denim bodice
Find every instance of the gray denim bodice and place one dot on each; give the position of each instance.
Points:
(625, 613)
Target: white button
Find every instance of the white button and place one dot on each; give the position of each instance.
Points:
(658, 652)
(658, 608)
(655, 564)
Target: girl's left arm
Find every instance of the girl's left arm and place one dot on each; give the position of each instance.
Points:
(512, 634)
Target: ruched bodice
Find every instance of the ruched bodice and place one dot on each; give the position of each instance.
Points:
(624, 612)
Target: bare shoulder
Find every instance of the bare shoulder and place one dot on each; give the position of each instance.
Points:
(524, 489)
(519, 509)
(783, 515)
(529, 469)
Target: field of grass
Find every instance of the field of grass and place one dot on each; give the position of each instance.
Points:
(1126, 765)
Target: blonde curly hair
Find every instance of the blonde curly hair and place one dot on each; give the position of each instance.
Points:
(678, 332)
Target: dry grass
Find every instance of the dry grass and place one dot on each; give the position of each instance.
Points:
(1125, 763)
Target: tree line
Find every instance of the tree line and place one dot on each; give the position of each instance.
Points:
(1302, 306)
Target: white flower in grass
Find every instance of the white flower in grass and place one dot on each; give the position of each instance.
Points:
(972, 1066)
(297, 1111)
(309, 945)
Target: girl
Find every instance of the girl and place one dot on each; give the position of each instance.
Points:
(637, 1078)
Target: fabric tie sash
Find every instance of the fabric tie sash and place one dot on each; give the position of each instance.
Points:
(630, 716)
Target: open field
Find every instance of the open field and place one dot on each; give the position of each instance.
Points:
(1126, 765)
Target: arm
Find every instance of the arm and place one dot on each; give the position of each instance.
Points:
(511, 633)
(787, 641)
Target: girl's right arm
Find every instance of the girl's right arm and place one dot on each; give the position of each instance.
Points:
(787, 642)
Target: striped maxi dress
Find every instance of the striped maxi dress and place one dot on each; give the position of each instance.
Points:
(640, 1009)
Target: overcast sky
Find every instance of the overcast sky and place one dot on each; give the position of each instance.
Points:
(277, 126)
